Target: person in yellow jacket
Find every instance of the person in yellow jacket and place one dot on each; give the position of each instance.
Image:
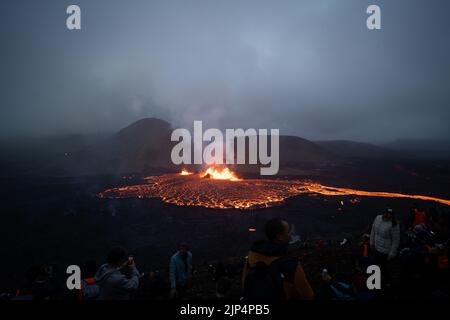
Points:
(269, 273)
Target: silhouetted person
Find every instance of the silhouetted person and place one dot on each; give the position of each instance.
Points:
(223, 288)
(89, 288)
(89, 269)
(180, 272)
(425, 257)
(417, 216)
(118, 278)
(39, 285)
(363, 256)
(269, 274)
(439, 251)
(152, 287)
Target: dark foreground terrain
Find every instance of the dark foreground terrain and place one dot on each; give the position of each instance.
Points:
(60, 220)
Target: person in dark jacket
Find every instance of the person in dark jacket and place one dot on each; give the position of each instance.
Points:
(40, 285)
(274, 252)
(118, 279)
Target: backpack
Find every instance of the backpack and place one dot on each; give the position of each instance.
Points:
(89, 289)
(264, 282)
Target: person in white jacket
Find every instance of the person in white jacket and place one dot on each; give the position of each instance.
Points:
(385, 240)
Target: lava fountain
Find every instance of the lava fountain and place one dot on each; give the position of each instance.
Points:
(220, 174)
(223, 189)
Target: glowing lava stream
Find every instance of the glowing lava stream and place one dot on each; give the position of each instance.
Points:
(335, 191)
(221, 191)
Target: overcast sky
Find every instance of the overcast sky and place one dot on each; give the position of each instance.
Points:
(310, 68)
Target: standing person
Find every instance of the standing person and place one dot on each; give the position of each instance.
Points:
(180, 272)
(40, 285)
(89, 289)
(269, 273)
(118, 278)
(417, 216)
(385, 240)
(363, 257)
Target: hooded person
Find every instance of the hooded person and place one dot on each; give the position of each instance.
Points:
(269, 273)
(118, 279)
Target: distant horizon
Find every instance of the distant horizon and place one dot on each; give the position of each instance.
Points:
(112, 132)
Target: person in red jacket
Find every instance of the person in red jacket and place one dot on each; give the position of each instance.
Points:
(418, 216)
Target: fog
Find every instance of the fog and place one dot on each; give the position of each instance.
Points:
(310, 68)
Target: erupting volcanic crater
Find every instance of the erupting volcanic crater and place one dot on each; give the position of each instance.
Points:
(223, 189)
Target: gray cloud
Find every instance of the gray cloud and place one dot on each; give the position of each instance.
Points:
(310, 68)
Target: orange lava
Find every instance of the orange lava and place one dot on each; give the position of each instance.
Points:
(220, 174)
(185, 173)
(195, 190)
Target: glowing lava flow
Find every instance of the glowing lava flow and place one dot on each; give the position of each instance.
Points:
(196, 190)
(335, 191)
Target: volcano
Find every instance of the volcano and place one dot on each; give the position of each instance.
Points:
(146, 144)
